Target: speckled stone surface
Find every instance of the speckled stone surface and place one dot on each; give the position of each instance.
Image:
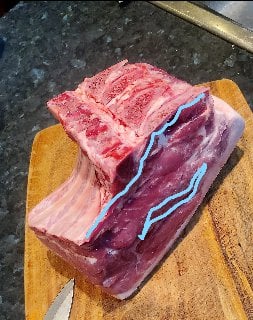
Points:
(51, 47)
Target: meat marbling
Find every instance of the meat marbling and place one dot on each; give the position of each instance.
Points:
(111, 116)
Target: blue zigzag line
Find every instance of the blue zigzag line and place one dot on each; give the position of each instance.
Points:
(194, 183)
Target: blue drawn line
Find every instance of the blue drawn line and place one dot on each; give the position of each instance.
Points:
(194, 183)
(141, 164)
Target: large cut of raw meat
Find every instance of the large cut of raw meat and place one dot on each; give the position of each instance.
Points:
(150, 147)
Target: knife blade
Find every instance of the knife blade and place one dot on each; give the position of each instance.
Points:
(61, 306)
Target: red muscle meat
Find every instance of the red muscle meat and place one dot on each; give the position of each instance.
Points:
(112, 117)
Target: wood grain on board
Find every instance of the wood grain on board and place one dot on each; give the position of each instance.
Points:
(208, 274)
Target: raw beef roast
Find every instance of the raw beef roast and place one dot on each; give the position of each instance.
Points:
(150, 147)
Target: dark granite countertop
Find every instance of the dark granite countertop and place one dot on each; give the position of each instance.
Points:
(50, 47)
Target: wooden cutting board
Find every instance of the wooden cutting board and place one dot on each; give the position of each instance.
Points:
(207, 275)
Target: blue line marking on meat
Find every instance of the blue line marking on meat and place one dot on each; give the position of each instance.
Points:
(154, 134)
(194, 183)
